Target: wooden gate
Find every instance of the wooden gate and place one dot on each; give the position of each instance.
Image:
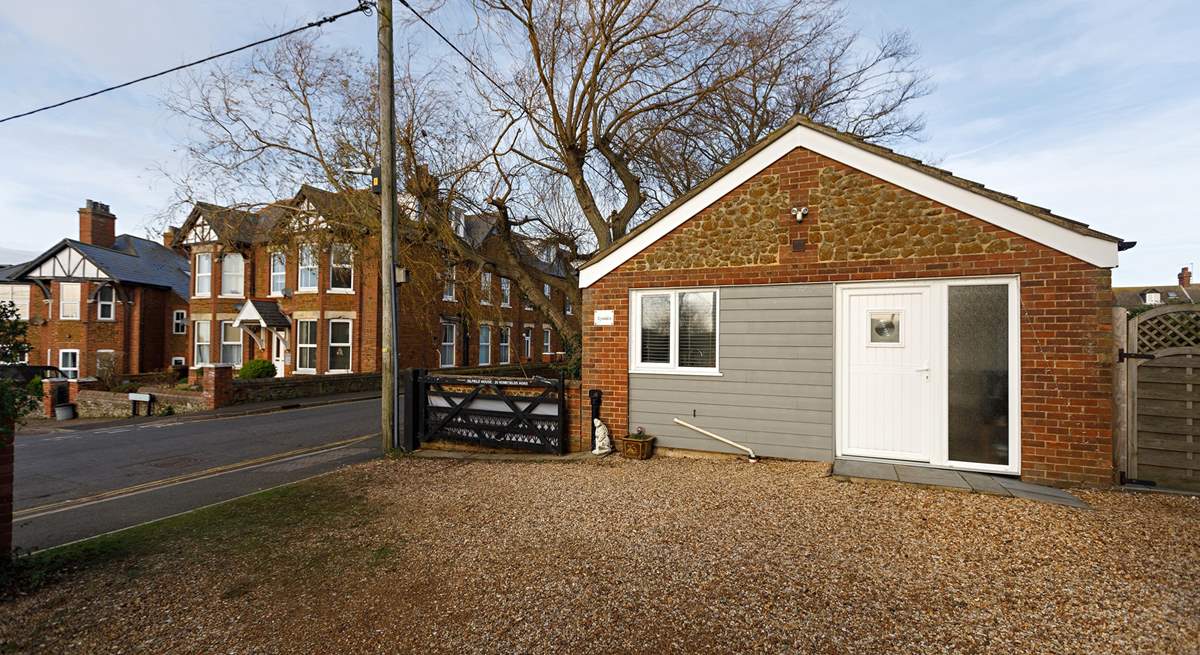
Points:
(1158, 387)
(518, 413)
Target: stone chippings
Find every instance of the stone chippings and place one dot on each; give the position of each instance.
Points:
(864, 218)
(662, 556)
(743, 230)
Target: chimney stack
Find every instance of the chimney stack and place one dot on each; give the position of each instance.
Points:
(168, 237)
(97, 225)
(1185, 277)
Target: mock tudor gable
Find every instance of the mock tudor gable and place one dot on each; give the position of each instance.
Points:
(822, 298)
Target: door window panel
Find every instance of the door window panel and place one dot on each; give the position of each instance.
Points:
(978, 374)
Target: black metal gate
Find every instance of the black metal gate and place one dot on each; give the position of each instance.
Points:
(518, 413)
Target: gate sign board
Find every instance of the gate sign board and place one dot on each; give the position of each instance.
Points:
(603, 317)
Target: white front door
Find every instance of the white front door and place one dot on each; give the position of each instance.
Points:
(278, 354)
(888, 401)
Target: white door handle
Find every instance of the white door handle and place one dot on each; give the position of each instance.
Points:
(923, 370)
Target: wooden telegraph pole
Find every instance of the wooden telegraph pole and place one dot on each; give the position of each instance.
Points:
(387, 203)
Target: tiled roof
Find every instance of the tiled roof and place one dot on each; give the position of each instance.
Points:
(131, 260)
(269, 312)
(1133, 297)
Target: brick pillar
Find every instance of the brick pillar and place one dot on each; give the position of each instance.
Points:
(7, 449)
(49, 393)
(195, 376)
(218, 385)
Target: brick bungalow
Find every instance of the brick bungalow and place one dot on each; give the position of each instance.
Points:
(102, 299)
(311, 305)
(821, 298)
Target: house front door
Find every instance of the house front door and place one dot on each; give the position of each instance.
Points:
(886, 342)
(278, 354)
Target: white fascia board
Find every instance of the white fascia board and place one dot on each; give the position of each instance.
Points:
(248, 314)
(1093, 250)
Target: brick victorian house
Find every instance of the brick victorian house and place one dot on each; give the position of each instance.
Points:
(822, 298)
(102, 300)
(310, 303)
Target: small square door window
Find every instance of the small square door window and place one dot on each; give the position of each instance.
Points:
(885, 328)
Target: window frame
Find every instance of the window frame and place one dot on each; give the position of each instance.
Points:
(62, 300)
(547, 341)
(504, 344)
(487, 343)
(453, 343)
(196, 343)
(485, 287)
(348, 344)
(527, 337)
(671, 367)
(449, 288)
(111, 304)
(334, 267)
(568, 306)
(179, 321)
(241, 276)
(505, 292)
(300, 268)
(10, 293)
(1153, 298)
(280, 275)
(67, 369)
(301, 346)
(241, 344)
(197, 275)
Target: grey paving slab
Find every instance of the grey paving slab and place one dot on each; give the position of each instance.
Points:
(1057, 499)
(985, 484)
(872, 470)
(931, 476)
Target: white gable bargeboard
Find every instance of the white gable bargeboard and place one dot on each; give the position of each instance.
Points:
(68, 263)
(1091, 249)
(201, 232)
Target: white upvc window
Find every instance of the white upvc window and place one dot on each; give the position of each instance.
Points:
(179, 322)
(547, 348)
(570, 308)
(1153, 298)
(106, 304)
(527, 335)
(203, 275)
(306, 346)
(203, 354)
(341, 268)
(231, 344)
(278, 273)
(339, 346)
(68, 363)
(68, 302)
(546, 290)
(505, 292)
(674, 331)
(233, 269)
(446, 352)
(307, 268)
(448, 289)
(485, 288)
(17, 294)
(505, 334)
(485, 345)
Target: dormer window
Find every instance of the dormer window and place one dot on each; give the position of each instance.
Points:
(1153, 298)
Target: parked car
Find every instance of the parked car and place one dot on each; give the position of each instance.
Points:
(24, 373)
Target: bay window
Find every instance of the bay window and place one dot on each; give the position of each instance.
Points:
(203, 275)
(339, 346)
(674, 332)
(232, 269)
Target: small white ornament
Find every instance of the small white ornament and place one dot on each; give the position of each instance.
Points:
(603, 440)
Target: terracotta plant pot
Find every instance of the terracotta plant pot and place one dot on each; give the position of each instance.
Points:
(635, 447)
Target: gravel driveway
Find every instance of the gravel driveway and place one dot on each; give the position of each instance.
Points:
(668, 555)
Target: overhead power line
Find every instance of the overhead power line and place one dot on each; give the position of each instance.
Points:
(364, 6)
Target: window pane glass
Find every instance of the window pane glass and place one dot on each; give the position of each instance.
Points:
(656, 329)
(308, 333)
(339, 332)
(698, 330)
(978, 373)
(339, 358)
(231, 274)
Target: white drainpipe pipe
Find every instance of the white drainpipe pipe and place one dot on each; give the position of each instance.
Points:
(718, 438)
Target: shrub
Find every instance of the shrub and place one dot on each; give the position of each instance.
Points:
(257, 368)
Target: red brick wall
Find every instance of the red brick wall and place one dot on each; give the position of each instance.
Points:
(1065, 323)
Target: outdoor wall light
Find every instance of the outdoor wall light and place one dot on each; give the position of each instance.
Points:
(799, 213)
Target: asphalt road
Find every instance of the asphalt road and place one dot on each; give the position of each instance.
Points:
(70, 485)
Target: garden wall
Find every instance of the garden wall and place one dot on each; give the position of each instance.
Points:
(302, 386)
(90, 403)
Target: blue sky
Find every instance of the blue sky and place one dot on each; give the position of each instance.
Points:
(1085, 107)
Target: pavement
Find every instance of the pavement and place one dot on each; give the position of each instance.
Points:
(983, 483)
(78, 481)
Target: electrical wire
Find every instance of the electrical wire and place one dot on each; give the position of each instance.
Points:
(364, 6)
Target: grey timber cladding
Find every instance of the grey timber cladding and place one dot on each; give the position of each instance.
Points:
(775, 391)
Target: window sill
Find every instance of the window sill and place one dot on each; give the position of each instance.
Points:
(204, 297)
(304, 371)
(225, 297)
(338, 372)
(677, 371)
(276, 294)
(344, 292)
